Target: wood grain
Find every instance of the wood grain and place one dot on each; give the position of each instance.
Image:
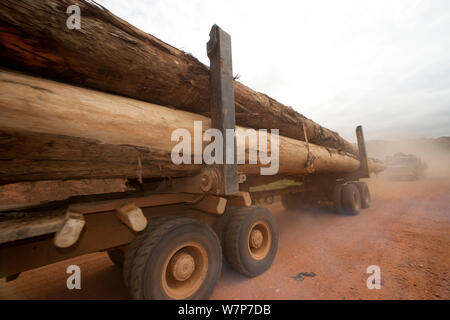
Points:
(108, 54)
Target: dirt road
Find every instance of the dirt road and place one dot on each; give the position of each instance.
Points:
(406, 233)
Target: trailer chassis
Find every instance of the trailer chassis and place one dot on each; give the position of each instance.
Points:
(172, 232)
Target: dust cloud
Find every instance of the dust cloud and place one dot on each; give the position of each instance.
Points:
(434, 152)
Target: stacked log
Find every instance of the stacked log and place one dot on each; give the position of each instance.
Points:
(110, 55)
(51, 130)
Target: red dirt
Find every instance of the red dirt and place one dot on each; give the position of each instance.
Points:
(406, 233)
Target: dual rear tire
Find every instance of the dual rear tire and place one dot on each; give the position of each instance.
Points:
(181, 258)
(250, 240)
(350, 198)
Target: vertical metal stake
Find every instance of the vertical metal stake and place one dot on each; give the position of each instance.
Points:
(222, 103)
(364, 164)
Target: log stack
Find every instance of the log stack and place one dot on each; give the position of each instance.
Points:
(50, 130)
(119, 95)
(110, 55)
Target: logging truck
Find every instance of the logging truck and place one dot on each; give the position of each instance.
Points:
(170, 232)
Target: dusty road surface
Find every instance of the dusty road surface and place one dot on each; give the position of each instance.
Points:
(406, 233)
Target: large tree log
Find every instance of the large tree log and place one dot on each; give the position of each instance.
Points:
(51, 130)
(110, 55)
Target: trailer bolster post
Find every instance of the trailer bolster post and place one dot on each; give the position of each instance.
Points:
(364, 164)
(222, 104)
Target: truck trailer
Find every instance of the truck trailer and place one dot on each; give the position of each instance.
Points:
(172, 229)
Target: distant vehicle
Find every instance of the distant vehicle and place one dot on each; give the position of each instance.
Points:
(407, 167)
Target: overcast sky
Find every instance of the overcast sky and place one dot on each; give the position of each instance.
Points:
(382, 64)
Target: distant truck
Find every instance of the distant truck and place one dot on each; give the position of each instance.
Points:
(407, 167)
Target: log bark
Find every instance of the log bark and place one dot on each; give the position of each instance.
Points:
(111, 55)
(51, 130)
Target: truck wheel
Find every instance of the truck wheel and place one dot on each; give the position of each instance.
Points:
(337, 198)
(221, 223)
(251, 240)
(180, 258)
(364, 192)
(134, 245)
(117, 256)
(351, 199)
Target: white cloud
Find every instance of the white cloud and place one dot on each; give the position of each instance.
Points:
(382, 64)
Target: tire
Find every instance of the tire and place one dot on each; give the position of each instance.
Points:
(337, 198)
(117, 256)
(351, 199)
(244, 257)
(170, 243)
(364, 192)
(222, 221)
(134, 245)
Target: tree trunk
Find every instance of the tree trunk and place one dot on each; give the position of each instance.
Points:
(51, 130)
(110, 55)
